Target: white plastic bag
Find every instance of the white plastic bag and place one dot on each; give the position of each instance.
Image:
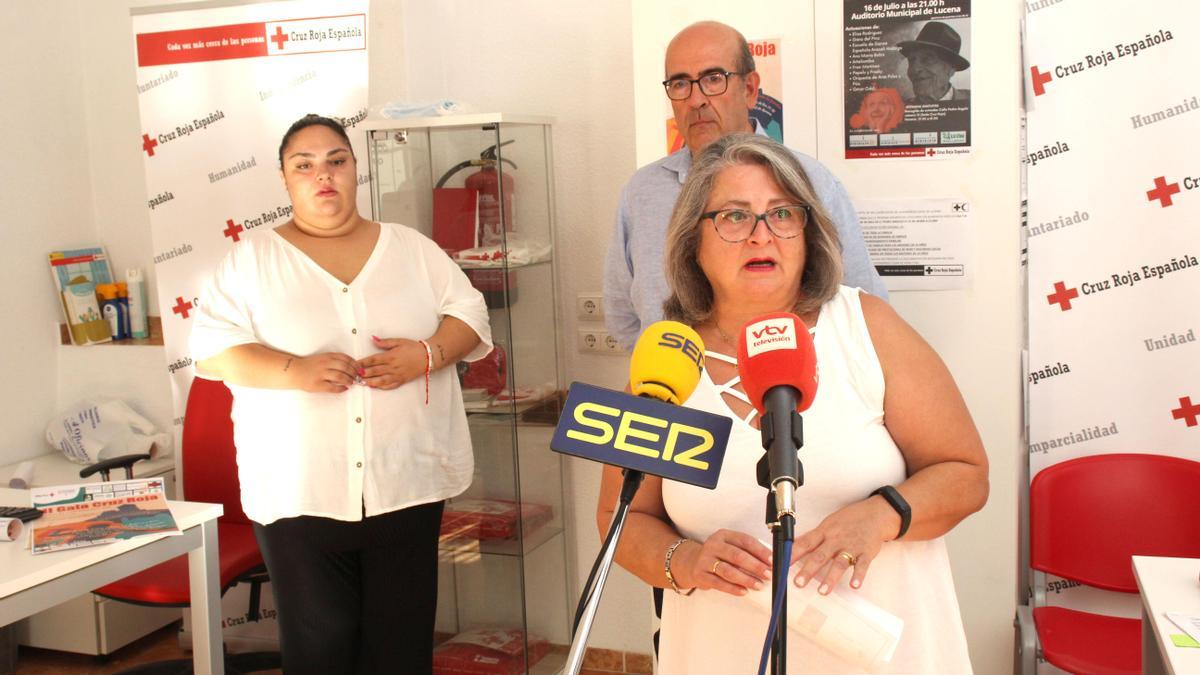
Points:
(96, 429)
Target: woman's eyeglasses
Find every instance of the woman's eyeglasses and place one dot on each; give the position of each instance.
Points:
(736, 225)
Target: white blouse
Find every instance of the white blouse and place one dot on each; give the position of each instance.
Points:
(847, 453)
(364, 451)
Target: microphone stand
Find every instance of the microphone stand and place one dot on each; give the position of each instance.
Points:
(779, 470)
(586, 613)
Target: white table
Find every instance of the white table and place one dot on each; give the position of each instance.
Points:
(29, 584)
(89, 624)
(1167, 585)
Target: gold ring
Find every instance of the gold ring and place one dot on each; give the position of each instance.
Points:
(850, 559)
(715, 565)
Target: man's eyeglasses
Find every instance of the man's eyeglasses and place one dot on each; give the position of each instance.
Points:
(712, 83)
(736, 225)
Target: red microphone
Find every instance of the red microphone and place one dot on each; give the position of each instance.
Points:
(777, 350)
(778, 366)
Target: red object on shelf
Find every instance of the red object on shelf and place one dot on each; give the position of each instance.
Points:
(488, 651)
(490, 372)
(458, 526)
(454, 222)
(486, 182)
(487, 519)
(492, 190)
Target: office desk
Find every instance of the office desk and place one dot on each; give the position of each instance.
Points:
(1167, 585)
(90, 624)
(29, 584)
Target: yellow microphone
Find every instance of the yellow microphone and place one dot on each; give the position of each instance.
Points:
(666, 363)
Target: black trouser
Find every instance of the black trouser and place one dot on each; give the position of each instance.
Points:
(355, 596)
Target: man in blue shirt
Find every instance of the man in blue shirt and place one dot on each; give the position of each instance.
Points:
(712, 84)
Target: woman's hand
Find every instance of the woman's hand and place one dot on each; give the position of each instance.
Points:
(331, 372)
(728, 561)
(858, 529)
(401, 361)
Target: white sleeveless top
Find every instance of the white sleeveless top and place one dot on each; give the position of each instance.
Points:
(847, 453)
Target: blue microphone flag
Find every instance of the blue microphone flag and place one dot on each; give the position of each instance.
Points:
(644, 434)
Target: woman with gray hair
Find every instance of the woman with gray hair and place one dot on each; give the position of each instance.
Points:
(892, 460)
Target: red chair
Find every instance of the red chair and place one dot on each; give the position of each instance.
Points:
(209, 475)
(1088, 517)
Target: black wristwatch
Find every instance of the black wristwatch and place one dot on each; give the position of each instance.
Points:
(892, 495)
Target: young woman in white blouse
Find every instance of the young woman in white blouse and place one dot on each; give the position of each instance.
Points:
(338, 337)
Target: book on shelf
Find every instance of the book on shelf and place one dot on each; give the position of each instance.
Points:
(76, 273)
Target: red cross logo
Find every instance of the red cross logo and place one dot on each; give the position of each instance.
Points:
(1039, 80)
(1162, 191)
(1062, 296)
(233, 230)
(930, 152)
(279, 38)
(1187, 409)
(148, 144)
(182, 308)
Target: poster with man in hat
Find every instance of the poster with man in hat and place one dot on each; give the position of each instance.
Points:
(907, 78)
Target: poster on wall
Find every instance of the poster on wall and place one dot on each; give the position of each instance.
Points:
(907, 78)
(767, 110)
(1113, 248)
(919, 244)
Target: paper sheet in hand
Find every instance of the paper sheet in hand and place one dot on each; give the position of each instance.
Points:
(843, 622)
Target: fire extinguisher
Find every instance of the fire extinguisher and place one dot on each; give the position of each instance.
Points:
(487, 181)
(494, 192)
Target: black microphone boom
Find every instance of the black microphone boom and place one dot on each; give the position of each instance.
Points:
(783, 435)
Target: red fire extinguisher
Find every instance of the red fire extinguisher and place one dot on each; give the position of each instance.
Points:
(494, 193)
(487, 182)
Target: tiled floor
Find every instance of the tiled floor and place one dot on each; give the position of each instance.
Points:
(163, 644)
(160, 645)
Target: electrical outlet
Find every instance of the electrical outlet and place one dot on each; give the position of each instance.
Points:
(591, 340)
(590, 306)
(611, 346)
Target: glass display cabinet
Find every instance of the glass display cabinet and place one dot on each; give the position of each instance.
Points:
(481, 186)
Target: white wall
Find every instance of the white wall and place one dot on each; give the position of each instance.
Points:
(114, 139)
(45, 203)
(121, 222)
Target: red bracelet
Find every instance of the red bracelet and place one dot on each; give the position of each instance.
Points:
(428, 367)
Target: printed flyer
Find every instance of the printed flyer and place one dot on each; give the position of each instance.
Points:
(919, 244)
(99, 513)
(907, 77)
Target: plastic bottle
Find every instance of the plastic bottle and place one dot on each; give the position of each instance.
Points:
(123, 298)
(139, 325)
(110, 308)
